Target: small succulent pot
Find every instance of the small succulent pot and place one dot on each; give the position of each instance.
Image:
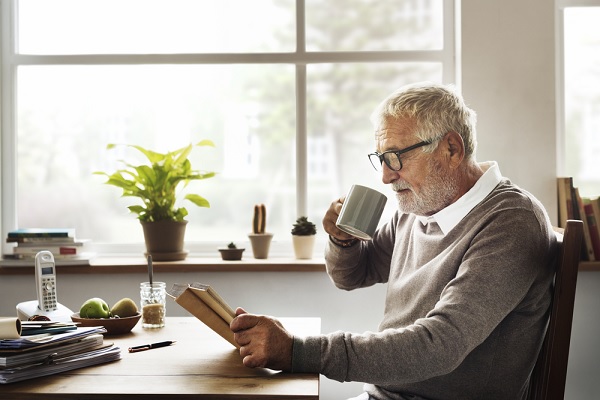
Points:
(231, 252)
(261, 242)
(303, 238)
(303, 246)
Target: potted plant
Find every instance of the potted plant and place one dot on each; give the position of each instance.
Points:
(303, 238)
(155, 183)
(231, 252)
(259, 238)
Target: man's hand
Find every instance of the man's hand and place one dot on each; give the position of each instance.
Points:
(263, 341)
(330, 219)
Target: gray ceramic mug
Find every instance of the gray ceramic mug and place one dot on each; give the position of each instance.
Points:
(361, 212)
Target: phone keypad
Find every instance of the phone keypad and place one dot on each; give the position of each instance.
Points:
(49, 294)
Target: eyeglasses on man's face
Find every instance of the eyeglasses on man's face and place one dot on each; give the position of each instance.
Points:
(392, 157)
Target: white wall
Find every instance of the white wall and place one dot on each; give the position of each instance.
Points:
(508, 78)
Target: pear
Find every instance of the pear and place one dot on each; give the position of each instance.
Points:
(124, 308)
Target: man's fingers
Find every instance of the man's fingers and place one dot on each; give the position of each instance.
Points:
(243, 321)
(240, 310)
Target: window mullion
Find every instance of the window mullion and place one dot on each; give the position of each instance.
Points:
(8, 146)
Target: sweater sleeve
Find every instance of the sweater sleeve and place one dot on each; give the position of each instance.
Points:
(363, 264)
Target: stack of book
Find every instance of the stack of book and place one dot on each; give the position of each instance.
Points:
(62, 243)
(34, 353)
(571, 205)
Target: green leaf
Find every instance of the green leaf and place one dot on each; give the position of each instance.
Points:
(156, 183)
(197, 200)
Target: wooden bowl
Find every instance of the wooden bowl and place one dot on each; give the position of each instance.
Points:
(113, 326)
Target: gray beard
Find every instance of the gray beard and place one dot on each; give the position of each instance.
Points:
(437, 193)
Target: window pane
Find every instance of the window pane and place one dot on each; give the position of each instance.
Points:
(68, 114)
(340, 100)
(582, 98)
(155, 26)
(366, 25)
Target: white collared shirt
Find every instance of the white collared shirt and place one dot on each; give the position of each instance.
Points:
(450, 216)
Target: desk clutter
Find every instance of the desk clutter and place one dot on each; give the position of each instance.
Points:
(31, 349)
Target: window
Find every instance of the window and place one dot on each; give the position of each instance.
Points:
(284, 88)
(581, 78)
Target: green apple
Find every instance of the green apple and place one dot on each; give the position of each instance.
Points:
(124, 308)
(94, 308)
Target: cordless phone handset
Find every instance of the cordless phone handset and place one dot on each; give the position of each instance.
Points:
(45, 279)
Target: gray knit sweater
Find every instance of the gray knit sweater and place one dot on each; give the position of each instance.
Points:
(465, 312)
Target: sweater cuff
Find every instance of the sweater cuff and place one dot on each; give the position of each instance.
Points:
(306, 354)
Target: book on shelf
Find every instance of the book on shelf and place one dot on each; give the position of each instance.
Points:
(565, 202)
(53, 242)
(66, 249)
(592, 220)
(11, 260)
(62, 250)
(42, 233)
(207, 305)
(34, 241)
(581, 214)
(570, 206)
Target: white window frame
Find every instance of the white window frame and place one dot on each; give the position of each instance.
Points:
(10, 60)
(561, 132)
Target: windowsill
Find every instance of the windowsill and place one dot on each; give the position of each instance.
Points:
(132, 264)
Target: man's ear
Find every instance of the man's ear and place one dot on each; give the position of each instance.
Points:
(454, 148)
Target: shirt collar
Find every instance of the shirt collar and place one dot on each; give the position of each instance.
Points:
(450, 216)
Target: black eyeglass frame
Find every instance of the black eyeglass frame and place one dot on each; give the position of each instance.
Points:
(383, 159)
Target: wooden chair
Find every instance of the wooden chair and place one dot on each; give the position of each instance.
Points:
(550, 372)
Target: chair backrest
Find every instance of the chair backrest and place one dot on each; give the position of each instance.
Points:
(550, 372)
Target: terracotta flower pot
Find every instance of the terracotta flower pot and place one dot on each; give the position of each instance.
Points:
(164, 240)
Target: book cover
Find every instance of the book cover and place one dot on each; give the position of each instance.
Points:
(205, 304)
(56, 242)
(34, 241)
(592, 220)
(565, 210)
(42, 233)
(581, 215)
(55, 250)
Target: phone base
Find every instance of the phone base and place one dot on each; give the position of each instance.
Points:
(27, 309)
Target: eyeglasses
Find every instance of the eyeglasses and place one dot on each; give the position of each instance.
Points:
(392, 157)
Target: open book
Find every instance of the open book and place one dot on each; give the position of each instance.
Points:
(205, 304)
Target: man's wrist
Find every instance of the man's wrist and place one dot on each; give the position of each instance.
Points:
(343, 243)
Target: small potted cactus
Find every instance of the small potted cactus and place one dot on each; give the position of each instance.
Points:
(231, 252)
(259, 238)
(303, 238)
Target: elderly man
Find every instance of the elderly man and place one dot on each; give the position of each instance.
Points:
(468, 262)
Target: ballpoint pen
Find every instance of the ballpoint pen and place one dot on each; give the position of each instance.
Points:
(143, 347)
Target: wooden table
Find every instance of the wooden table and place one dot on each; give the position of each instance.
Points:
(201, 365)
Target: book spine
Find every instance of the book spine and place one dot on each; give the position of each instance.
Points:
(55, 250)
(40, 239)
(581, 214)
(564, 189)
(594, 228)
(40, 234)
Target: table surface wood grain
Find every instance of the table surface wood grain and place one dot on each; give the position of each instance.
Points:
(200, 365)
